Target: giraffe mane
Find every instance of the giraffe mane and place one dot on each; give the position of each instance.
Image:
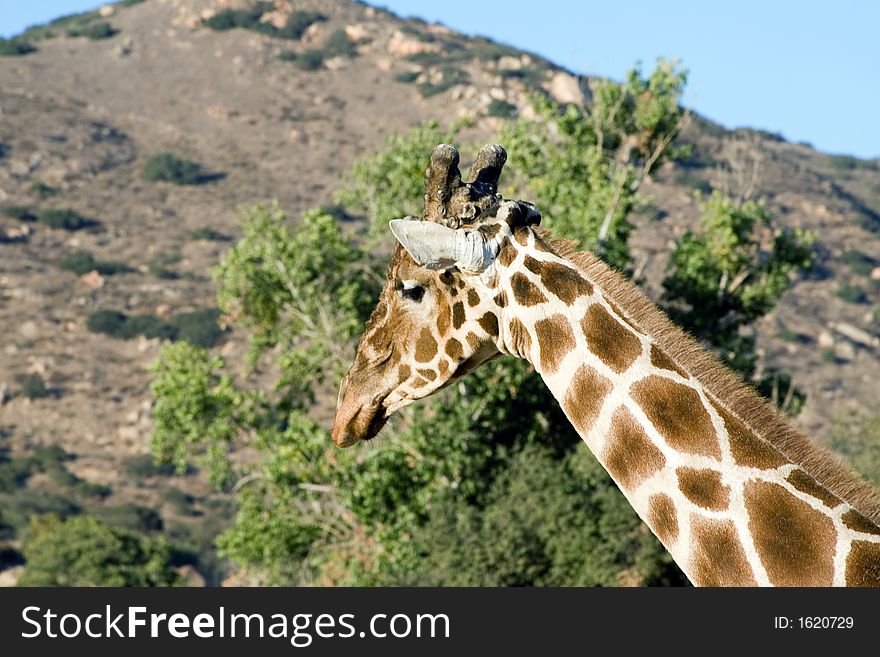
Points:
(740, 398)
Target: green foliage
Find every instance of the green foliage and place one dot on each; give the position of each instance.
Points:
(199, 327)
(584, 166)
(860, 263)
(846, 163)
(41, 189)
(15, 47)
(144, 465)
(851, 293)
(310, 60)
(93, 31)
(133, 517)
(20, 212)
(857, 438)
(390, 185)
(180, 501)
(449, 76)
(64, 218)
(297, 23)
(501, 108)
(33, 386)
(83, 551)
(338, 44)
(407, 77)
(170, 168)
(732, 272)
(82, 262)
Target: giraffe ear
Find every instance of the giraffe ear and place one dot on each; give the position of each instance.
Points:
(435, 246)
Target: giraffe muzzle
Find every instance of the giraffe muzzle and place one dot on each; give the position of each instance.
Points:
(356, 421)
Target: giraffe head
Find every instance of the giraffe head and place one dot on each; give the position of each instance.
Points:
(438, 314)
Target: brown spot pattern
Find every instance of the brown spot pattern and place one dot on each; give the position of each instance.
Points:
(563, 281)
(703, 487)
(584, 398)
(443, 366)
(506, 252)
(489, 323)
(458, 314)
(403, 372)
(520, 339)
(678, 414)
(501, 299)
(795, 542)
(661, 360)
(521, 235)
(525, 292)
(747, 449)
(489, 230)
(555, 340)
(857, 522)
(609, 340)
(454, 349)
(473, 340)
(806, 484)
(419, 383)
(443, 319)
(630, 456)
(473, 298)
(863, 564)
(718, 557)
(426, 346)
(662, 517)
(428, 374)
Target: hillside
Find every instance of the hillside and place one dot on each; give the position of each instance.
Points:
(80, 117)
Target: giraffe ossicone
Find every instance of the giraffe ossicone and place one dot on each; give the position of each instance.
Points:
(733, 491)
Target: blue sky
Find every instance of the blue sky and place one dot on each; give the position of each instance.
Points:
(809, 70)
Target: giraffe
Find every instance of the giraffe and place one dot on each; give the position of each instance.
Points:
(735, 494)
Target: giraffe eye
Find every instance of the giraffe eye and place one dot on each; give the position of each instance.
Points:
(411, 290)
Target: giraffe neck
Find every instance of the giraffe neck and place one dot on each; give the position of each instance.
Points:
(728, 504)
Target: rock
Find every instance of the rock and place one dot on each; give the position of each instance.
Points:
(508, 63)
(28, 329)
(163, 310)
(93, 279)
(384, 63)
(4, 393)
(9, 577)
(856, 334)
(497, 93)
(356, 32)
(106, 10)
(875, 274)
(825, 340)
(565, 88)
(401, 45)
(190, 576)
(845, 350)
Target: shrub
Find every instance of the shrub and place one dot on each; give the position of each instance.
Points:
(449, 77)
(82, 262)
(208, 233)
(339, 45)
(143, 465)
(15, 47)
(41, 189)
(859, 262)
(20, 212)
(33, 386)
(64, 218)
(132, 516)
(501, 108)
(110, 322)
(95, 31)
(84, 551)
(26, 502)
(311, 60)
(851, 293)
(14, 472)
(287, 56)
(169, 168)
(199, 327)
(180, 501)
(407, 77)
(298, 22)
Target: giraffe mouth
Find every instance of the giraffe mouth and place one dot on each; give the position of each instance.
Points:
(359, 422)
(380, 419)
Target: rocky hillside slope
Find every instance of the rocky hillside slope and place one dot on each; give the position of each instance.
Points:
(270, 115)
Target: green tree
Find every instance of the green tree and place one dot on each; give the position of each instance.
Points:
(82, 551)
(731, 272)
(584, 166)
